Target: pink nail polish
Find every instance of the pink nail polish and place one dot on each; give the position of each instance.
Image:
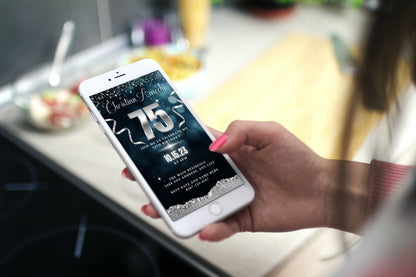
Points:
(123, 173)
(144, 209)
(218, 142)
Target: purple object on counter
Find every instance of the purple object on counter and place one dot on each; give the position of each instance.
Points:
(155, 32)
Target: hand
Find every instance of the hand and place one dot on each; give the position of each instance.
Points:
(290, 180)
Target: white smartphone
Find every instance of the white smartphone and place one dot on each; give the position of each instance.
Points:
(165, 146)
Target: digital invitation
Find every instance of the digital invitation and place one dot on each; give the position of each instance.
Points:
(166, 143)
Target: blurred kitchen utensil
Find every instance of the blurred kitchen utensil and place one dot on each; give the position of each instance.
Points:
(345, 58)
(49, 98)
(60, 53)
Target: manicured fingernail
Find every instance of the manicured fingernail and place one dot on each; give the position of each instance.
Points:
(218, 142)
(144, 209)
(201, 237)
(124, 173)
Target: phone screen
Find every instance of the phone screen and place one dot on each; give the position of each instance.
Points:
(166, 143)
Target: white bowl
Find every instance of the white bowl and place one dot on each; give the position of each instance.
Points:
(45, 107)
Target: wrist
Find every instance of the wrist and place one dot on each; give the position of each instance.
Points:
(347, 195)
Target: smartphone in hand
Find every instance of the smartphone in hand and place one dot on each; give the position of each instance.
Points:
(165, 146)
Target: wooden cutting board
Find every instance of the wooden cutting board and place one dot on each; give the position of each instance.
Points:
(298, 83)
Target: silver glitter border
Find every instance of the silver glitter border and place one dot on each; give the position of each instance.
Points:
(221, 187)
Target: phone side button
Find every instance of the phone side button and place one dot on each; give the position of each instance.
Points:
(101, 127)
(93, 116)
(215, 209)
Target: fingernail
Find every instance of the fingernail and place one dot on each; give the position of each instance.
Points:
(201, 237)
(218, 142)
(144, 209)
(124, 173)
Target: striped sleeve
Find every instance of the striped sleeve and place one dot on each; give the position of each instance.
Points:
(385, 179)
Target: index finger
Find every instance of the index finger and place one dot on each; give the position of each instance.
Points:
(249, 133)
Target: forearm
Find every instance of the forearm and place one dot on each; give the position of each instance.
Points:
(357, 190)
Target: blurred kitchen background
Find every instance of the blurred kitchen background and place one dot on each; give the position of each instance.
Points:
(257, 60)
(30, 29)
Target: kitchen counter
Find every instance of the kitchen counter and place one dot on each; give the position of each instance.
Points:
(236, 37)
(235, 40)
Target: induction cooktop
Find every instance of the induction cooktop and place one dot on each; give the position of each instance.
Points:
(53, 224)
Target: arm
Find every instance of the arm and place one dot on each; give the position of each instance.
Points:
(305, 186)
(295, 187)
(348, 194)
(356, 195)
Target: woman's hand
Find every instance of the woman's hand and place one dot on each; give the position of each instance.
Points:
(292, 183)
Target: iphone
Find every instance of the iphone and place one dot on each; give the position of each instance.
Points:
(165, 146)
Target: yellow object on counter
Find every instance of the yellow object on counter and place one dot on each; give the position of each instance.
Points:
(194, 16)
(177, 66)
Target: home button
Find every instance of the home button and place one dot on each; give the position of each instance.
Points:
(215, 209)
